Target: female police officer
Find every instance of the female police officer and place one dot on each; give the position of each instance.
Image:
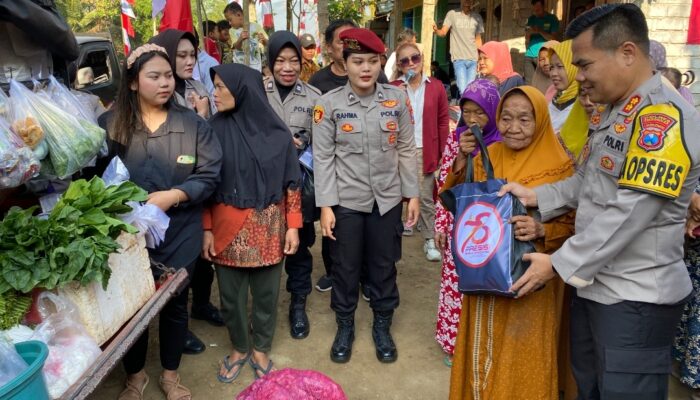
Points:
(364, 164)
(293, 100)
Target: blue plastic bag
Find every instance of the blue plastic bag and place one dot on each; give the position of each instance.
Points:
(487, 256)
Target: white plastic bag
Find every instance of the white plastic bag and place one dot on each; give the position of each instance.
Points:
(71, 349)
(147, 218)
(11, 363)
(115, 173)
(150, 220)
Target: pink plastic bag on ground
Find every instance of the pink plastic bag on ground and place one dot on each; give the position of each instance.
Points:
(293, 384)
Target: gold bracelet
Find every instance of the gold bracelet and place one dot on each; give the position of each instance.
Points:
(177, 203)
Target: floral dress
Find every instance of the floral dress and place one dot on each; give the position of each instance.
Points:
(686, 349)
(450, 300)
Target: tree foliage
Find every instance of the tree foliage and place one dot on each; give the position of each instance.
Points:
(104, 16)
(349, 9)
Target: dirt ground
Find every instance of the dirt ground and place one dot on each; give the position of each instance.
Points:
(419, 372)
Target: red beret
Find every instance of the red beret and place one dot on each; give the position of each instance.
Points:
(361, 40)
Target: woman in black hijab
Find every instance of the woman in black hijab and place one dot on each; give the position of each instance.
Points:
(182, 51)
(255, 214)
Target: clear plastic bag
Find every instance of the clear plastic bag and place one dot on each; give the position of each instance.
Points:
(18, 164)
(63, 98)
(72, 141)
(4, 105)
(12, 363)
(71, 349)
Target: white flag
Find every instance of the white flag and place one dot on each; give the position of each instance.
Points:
(158, 6)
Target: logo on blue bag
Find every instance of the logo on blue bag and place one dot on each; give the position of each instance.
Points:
(478, 234)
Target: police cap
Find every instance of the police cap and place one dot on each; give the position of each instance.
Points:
(361, 40)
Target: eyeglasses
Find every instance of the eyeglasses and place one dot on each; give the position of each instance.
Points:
(405, 62)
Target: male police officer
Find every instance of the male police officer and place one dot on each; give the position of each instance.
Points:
(632, 191)
(293, 100)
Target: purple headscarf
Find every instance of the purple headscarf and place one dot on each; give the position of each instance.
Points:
(484, 93)
(657, 53)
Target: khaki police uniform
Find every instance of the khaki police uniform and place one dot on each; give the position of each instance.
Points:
(296, 112)
(364, 165)
(639, 169)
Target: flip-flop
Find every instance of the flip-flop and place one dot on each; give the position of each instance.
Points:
(447, 361)
(240, 363)
(257, 367)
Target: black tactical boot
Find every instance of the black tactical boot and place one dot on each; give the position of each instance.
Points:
(342, 345)
(386, 349)
(298, 321)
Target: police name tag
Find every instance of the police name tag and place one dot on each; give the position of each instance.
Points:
(185, 159)
(307, 158)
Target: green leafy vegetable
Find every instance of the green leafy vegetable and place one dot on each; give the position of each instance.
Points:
(13, 306)
(72, 244)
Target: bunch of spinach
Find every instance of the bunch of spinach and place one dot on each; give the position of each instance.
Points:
(72, 244)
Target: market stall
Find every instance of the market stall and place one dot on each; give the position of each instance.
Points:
(75, 273)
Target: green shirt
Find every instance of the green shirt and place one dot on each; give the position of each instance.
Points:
(548, 23)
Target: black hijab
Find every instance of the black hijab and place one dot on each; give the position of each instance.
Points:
(279, 41)
(169, 39)
(260, 161)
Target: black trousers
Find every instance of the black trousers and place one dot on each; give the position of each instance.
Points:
(202, 279)
(622, 351)
(327, 252)
(371, 238)
(172, 326)
(298, 266)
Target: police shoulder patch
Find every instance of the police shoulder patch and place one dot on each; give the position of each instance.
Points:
(657, 161)
(318, 114)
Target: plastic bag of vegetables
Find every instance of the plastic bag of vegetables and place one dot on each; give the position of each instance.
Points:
(65, 99)
(73, 141)
(17, 161)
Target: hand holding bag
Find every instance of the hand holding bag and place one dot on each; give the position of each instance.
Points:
(487, 256)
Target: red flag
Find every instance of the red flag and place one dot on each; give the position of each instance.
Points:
(694, 23)
(268, 20)
(127, 27)
(177, 14)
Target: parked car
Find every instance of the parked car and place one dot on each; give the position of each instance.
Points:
(98, 68)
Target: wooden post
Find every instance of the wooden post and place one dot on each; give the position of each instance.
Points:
(202, 34)
(427, 36)
(246, 27)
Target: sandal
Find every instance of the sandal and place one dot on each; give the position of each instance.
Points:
(447, 361)
(239, 363)
(173, 390)
(257, 368)
(132, 391)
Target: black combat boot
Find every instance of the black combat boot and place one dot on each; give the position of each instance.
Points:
(386, 349)
(342, 345)
(298, 321)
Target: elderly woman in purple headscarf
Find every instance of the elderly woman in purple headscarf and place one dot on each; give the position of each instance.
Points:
(657, 53)
(478, 105)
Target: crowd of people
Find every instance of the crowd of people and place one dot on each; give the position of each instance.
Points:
(595, 140)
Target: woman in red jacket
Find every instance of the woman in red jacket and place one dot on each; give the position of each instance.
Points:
(430, 111)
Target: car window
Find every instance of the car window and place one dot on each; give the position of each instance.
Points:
(95, 69)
